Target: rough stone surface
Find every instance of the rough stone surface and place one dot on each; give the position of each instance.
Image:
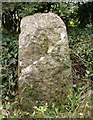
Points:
(44, 61)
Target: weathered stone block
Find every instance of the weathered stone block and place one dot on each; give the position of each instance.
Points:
(44, 60)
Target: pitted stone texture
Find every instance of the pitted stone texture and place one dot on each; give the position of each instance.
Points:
(44, 61)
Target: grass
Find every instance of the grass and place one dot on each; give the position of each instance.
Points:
(79, 106)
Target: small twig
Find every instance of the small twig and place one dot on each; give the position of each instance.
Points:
(81, 58)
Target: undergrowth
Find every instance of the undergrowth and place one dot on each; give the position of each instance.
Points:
(80, 103)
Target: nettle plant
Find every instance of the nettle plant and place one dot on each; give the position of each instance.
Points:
(9, 61)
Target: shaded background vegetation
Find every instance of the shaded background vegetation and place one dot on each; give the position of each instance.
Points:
(72, 14)
(78, 19)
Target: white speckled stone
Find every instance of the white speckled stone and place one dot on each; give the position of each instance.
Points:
(45, 66)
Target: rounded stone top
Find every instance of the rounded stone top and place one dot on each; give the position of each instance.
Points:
(42, 20)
